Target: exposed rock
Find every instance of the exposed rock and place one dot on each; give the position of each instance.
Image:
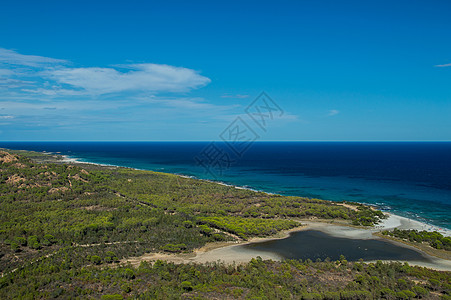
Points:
(77, 177)
(6, 157)
(19, 165)
(14, 179)
(60, 189)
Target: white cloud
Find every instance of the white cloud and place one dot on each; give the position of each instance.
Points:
(11, 57)
(6, 72)
(13, 83)
(53, 92)
(287, 117)
(441, 66)
(44, 76)
(40, 107)
(333, 112)
(192, 104)
(138, 77)
(3, 117)
(239, 96)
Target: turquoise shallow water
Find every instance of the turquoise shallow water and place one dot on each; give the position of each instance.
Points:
(409, 179)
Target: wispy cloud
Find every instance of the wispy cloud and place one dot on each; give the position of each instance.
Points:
(6, 72)
(238, 96)
(40, 94)
(138, 77)
(191, 104)
(11, 57)
(442, 66)
(38, 75)
(333, 112)
(14, 83)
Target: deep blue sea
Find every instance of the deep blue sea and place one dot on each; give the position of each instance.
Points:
(412, 179)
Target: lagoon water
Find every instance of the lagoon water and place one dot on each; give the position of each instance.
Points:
(313, 244)
(411, 179)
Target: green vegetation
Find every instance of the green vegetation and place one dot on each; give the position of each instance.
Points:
(366, 215)
(244, 227)
(65, 228)
(46, 206)
(434, 239)
(291, 279)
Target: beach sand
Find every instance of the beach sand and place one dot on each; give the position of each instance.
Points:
(394, 221)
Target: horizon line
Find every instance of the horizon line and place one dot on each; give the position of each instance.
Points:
(221, 141)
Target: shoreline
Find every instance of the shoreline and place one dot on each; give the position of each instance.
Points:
(232, 252)
(393, 220)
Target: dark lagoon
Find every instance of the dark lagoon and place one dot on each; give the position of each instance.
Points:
(313, 244)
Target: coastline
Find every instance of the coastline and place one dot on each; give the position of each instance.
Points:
(396, 221)
(232, 252)
(393, 220)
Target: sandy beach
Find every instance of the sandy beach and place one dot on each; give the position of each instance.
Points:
(395, 221)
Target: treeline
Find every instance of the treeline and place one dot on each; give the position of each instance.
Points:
(434, 239)
(258, 279)
(245, 227)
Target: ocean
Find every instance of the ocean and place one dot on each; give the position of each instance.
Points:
(411, 179)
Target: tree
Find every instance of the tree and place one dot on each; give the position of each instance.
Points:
(95, 259)
(187, 286)
(15, 247)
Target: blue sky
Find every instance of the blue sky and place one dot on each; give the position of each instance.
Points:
(180, 70)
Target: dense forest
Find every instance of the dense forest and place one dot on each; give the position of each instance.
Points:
(65, 227)
(58, 277)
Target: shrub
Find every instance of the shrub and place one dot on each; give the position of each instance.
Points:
(50, 238)
(112, 297)
(186, 285)
(173, 248)
(188, 224)
(15, 247)
(420, 291)
(205, 229)
(95, 259)
(355, 295)
(311, 296)
(331, 296)
(409, 294)
(21, 241)
(32, 241)
(386, 293)
(129, 274)
(126, 288)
